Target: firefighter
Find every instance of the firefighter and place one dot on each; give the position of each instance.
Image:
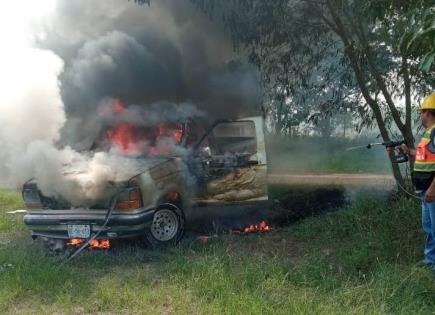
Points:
(423, 176)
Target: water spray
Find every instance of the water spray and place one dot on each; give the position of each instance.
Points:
(393, 147)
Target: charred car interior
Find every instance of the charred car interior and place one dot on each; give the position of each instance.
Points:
(187, 176)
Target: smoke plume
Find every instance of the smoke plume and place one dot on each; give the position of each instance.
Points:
(165, 62)
(168, 51)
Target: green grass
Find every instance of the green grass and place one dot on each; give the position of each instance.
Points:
(358, 260)
(9, 200)
(319, 155)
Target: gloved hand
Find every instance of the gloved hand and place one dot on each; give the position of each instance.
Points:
(407, 150)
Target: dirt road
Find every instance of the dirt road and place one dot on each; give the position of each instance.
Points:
(332, 179)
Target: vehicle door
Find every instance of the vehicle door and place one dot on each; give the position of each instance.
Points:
(233, 162)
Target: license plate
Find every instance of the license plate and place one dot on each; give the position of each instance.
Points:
(79, 230)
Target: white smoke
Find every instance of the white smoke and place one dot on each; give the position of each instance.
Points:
(31, 109)
(32, 115)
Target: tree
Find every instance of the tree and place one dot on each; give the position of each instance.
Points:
(293, 40)
(418, 41)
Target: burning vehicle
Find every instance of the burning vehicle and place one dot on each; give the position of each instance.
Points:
(185, 175)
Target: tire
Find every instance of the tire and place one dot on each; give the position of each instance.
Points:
(167, 227)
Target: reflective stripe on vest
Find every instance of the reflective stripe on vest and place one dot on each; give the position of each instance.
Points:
(424, 158)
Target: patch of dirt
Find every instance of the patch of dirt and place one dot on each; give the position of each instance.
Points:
(332, 179)
(300, 203)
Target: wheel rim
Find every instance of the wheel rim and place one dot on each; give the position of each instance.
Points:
(165, 225)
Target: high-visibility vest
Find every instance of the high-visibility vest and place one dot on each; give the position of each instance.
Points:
(424, 158)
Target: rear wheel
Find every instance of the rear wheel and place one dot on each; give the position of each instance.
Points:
(167, 227)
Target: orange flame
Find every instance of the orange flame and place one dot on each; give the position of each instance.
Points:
(100, 244)
(175, 132)
(123, 136)
(75, 241)
(262, 227)
(130, 138)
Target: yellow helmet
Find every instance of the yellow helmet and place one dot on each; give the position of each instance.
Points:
(428, 102)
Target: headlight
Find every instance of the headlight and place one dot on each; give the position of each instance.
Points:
(130, 198)
(32, 198)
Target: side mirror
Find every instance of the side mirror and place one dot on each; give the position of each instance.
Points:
(206, 152)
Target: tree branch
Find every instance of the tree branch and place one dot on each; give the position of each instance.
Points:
(378, 77)
(313, 5)
(350, 52)
(407, 87)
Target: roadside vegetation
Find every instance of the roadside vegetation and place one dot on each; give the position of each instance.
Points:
(310, 154)
(357, 260)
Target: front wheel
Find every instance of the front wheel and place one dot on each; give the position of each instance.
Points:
(167, 227)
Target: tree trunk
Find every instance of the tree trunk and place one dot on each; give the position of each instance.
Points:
(338, 28)
(407, 132)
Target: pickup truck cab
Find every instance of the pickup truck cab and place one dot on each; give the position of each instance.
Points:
(220, 177)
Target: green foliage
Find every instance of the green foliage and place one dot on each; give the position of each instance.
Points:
(417, 27)
(419, 40)
(329, 56)
(334, 57)
(358, 260)
(301, 65)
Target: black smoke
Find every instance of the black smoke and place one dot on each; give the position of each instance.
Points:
(166, 52)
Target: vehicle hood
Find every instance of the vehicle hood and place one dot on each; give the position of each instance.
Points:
(125, 170)
(95, 188)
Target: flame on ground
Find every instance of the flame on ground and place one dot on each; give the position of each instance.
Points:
(100, 244)
(261, 227)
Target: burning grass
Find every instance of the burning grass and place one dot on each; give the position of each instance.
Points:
(357, 260)
(262, 227)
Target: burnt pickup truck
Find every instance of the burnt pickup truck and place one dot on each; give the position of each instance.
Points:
(221, 178)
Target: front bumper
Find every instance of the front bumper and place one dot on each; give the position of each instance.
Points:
(54, 223)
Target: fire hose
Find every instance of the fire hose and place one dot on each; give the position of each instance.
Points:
(93, 237)
(103, 227)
